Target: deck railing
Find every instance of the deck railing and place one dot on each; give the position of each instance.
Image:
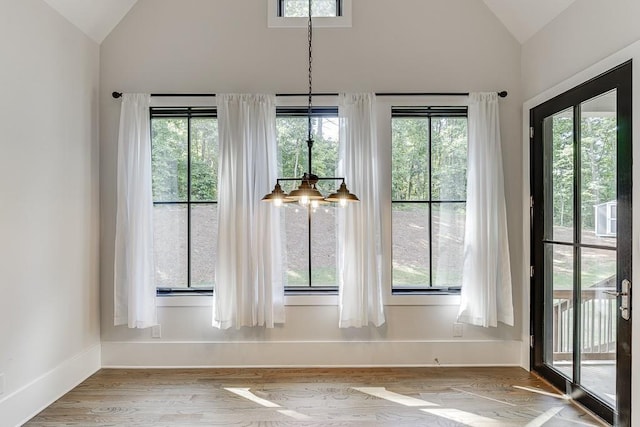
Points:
(597, 327)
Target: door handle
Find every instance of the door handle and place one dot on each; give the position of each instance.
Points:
(624, 294)
(615, 294)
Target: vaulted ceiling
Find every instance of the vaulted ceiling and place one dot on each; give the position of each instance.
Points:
(97, 18)
(524, 18)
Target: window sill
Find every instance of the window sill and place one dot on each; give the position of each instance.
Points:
(195, 300)
(292, 300)
(423, 300)
(200, 300)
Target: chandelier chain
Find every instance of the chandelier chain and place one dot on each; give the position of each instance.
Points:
(307, 194)
(310, 105)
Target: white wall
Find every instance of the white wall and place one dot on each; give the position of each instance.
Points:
(49, 221)
(225, 46)
(585, 33)
(587, 39)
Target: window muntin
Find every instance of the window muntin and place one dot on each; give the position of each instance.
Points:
(300, 8)
(184, 152)
(429, 161)
(309, 233)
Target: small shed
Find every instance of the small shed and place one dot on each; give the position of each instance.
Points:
(606, 215)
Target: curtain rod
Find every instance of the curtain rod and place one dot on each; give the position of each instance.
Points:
(501, 94)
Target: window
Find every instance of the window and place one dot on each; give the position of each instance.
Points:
(309, 233)
(429, 170)
(300, 8)
(294, 13)
(184, 152)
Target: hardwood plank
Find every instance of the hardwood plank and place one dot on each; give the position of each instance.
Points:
(310, 397)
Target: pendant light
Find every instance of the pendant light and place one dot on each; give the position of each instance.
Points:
(307, 194)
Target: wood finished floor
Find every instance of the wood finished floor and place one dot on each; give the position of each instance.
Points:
(476, 397)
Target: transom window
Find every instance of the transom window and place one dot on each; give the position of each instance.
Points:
(184, 153)
(300, 8)
(294, 13)
(309, 233)
(429, 180)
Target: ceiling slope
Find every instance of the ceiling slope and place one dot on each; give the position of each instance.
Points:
(95, 18)
(524, 18)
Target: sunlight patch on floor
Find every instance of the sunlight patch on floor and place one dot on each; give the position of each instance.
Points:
(247, 394)
(544, 417)
(542, 392)
(295, 415)
(244, 392)
(466, 418)
(385, 394)
(483, 397)
(456, 415)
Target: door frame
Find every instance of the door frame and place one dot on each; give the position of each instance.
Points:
(620, 78)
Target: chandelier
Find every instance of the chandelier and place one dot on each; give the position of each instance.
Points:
(307, 193)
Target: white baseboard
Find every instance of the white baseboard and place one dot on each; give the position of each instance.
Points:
(20, 406)
(168, 354)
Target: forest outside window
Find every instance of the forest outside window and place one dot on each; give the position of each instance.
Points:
(309, 234)
(429, 161)
(184, 151)
(429, 178)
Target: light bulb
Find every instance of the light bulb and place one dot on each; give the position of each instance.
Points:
(277, 202)
(304, 200)
(343, 202)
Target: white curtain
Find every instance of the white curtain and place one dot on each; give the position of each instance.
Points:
(134, 287)
(486, 279)
(359, 224)
(249, 280)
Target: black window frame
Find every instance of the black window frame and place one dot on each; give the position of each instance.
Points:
(316, 112)
(179, 113)
(428, 112)
(280, 11)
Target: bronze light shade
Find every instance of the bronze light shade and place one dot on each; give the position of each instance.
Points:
(342, 195)
(305, 190)
(277, 195)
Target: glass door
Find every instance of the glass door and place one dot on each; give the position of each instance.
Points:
(581, 243)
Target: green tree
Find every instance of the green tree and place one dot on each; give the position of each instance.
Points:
(562, 169)
(598, 160)
(410, 161)
(170, 163)
(169, 159)
(293, 152)
(204, 159)
(598, 166)
(449, 158)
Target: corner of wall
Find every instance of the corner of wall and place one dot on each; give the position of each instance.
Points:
(26, 402)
